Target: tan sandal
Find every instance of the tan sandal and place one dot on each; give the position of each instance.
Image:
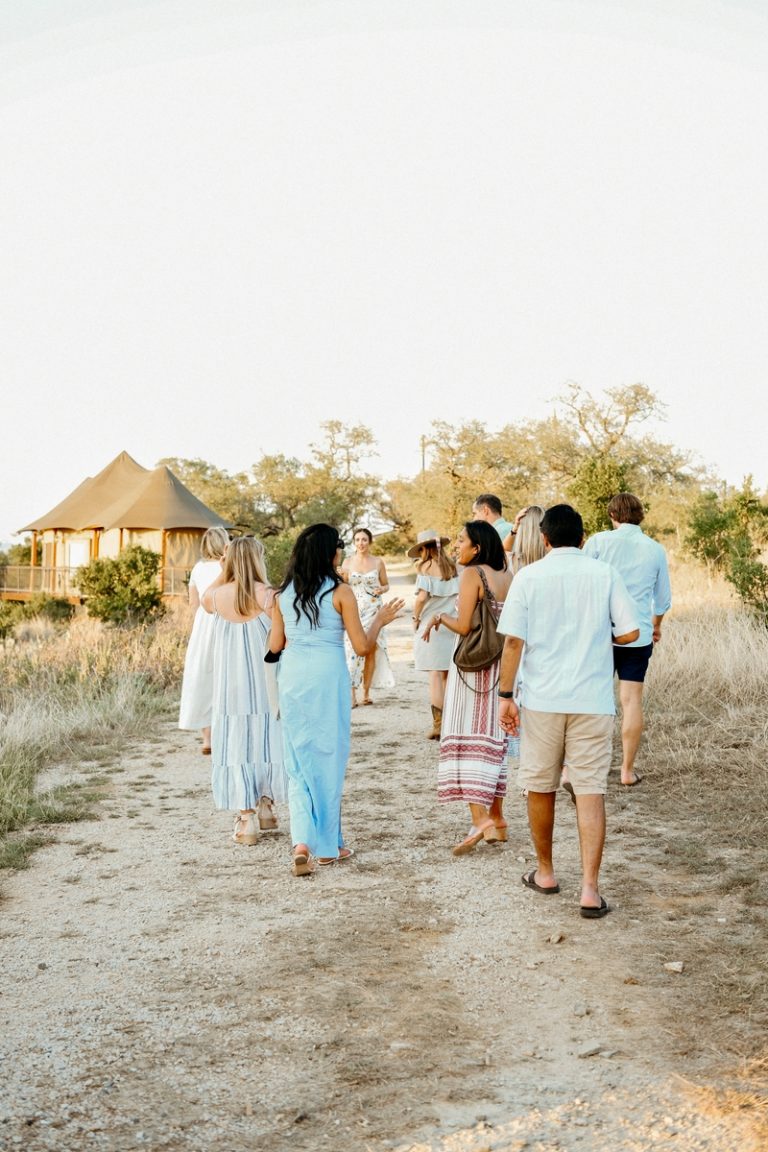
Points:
(245, 831)
(470, 842)
(266, 814)
(496, 835)
(344, 854)
(303, 864)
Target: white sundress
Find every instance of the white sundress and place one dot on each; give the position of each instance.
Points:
(197, 681)
(367, 590)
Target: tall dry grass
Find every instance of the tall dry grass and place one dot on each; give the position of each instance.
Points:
(705, 807)
(68, 695)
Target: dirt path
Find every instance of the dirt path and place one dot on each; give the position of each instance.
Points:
(167, 989)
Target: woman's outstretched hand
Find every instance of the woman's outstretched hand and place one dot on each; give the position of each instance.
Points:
(389, 611)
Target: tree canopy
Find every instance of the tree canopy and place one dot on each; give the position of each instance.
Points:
(585, 451)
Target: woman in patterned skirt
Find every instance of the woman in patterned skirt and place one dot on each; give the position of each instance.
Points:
(473, 747)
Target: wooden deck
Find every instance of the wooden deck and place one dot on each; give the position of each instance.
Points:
(21, 583)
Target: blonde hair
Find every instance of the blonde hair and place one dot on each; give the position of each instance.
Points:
(436, 552)
(528, 545)
(214, 543)
(245, 567)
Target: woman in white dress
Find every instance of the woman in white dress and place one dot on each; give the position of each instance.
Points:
(437, 587)
(247, 771)
(197, 682)
(367, 577)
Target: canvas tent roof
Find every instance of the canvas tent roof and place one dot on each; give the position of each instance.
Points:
(126, 495)
(83, 507)
(161, 501)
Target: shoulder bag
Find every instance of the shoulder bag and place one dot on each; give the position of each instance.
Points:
(482, 645)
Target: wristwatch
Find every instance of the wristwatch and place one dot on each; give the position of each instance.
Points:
(506, 695)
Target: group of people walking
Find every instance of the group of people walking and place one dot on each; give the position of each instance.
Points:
(570, 614)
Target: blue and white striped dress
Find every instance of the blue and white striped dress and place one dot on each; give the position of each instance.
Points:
(246, 739)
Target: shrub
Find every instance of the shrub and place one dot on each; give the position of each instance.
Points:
(277, 551)
(728, 533)
(53, 608)
(123, 590)
(598, 479)
(10, 615)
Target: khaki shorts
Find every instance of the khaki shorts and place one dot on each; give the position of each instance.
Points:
(582, 740)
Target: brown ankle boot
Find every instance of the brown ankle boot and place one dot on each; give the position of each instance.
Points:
(437, 721)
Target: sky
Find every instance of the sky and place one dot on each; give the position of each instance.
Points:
(223, 222)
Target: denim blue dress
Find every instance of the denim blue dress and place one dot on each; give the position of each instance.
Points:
(315, 710)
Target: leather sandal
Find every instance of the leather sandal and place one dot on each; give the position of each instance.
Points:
(497, 834)
(266, 814)
(245, 831)
(302, 864)
(470, 842)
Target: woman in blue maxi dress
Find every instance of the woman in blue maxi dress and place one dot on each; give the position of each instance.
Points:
(312, 612)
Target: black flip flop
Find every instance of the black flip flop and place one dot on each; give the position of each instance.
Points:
(528, 880)
(595, 913)
(637, 780)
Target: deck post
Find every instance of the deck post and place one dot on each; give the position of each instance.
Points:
(163, 551)
(33, 562)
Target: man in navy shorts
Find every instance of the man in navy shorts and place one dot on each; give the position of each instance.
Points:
(642, 563)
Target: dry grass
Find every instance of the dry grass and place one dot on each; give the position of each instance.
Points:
(706, 754)
(73, 696)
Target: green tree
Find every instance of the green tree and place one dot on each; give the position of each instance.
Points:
(333, 486)
(231, 496)
(123, 590)
(281, 489)
(729, 532)
(586, 450)
(340, 490)
(21, 554)
(598, 479)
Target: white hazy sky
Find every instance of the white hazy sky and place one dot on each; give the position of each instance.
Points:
(224, 221)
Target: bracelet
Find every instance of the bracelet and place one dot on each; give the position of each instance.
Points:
(506, 695)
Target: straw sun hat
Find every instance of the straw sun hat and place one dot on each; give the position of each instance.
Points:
(430, 536)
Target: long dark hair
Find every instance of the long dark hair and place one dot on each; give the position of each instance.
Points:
(310, 565)
(487, 539)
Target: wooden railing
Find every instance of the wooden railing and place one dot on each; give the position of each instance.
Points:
(21, 581)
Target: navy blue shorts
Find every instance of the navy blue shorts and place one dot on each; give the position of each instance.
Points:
(631, 663)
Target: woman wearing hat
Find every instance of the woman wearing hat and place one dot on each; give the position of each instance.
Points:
(437, 586)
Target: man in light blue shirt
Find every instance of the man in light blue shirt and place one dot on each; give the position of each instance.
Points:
(562, 615)
(488, 507)
(642, 563)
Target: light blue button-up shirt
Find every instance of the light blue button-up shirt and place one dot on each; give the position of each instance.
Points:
(567, 608)
(503, 527)
(642, 564)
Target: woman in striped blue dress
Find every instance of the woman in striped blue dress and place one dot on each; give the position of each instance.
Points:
(246, 741)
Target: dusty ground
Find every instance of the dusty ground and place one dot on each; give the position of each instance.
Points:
(165, 988)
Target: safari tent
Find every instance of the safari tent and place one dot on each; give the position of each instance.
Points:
(125, 504)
